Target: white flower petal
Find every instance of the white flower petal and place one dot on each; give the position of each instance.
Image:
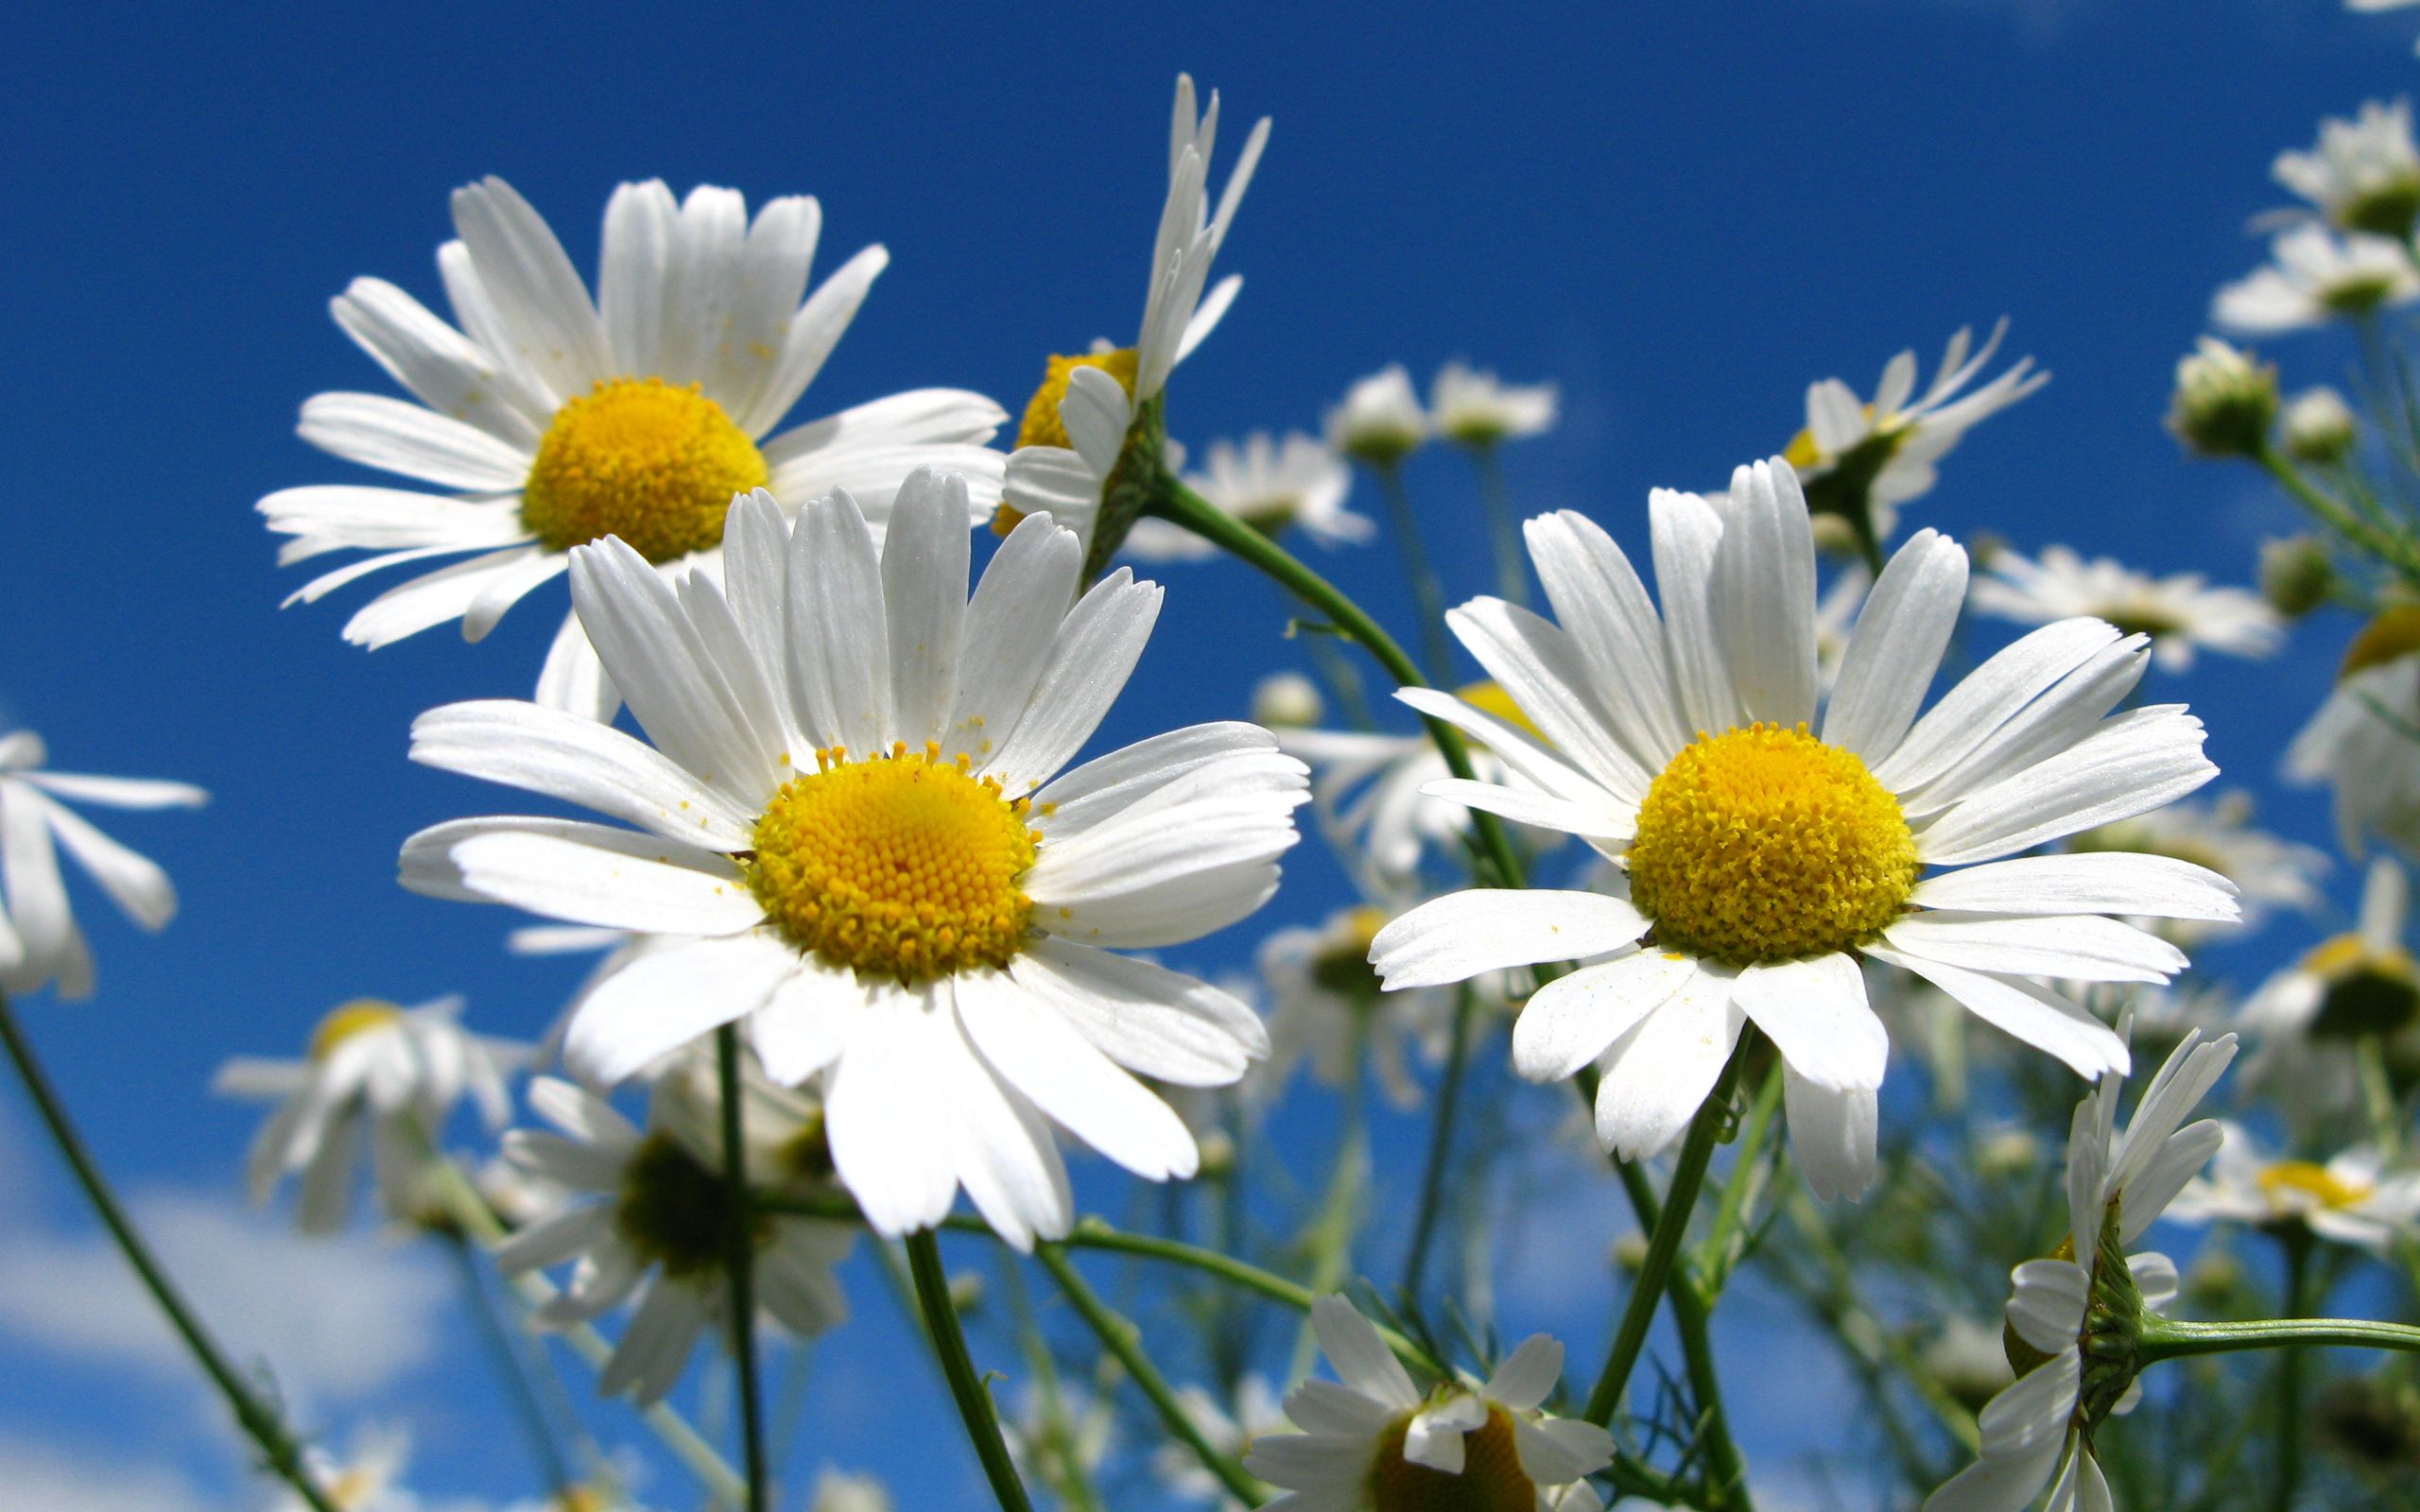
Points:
(1988, 697)
(1663, 1069)
(1462, 935)
(2032, 1013)
(1570, 1022)
(1546, 677)
(538, 297)
(840, 649)
(1040, 1053)
(396, 436)
(1686, 533)
(2112, 881)
(1606, 608)
(805, 1025)
(1160, 1024)
(1361, 1358)
(1091, 657)
(1026, 591)
(1831, 1135)
(2047, 1304)
(2085, 947)
(2134, 762)
(664, 999)
(1896, 646)
(1528, 1376)
(574, 759)
(923, 589)
(1763, 596)
(1815, 1013)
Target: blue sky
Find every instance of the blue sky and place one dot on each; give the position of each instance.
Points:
(1681, 212)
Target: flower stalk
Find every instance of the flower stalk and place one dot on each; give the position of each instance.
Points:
(975, 1407)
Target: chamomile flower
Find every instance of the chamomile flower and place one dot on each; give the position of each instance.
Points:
(2315, 276)
(850, 812)
(1764, 851)
(2350, 1199)
(377, 1070)
(2225, 401)
(1080, 425)
(1471, 407)
(550, 419)
(369, 1479)
(1372, 1441)
(2363, 175)
(2318, 427)
(1330, 1011)
(2364, 738)
(1870, 457)
(40, 942)
(1271, 486)
(649, 1216)
(1380, 422)
(2310, 1019)
(2074, 1313)
(1256, 1412)
(2181, 613)
(2270, 871)
(838, 1491)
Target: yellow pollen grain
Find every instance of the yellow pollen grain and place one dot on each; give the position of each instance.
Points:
(2284, 1179)
(1492, 1479)
(1042, 425)
(1765, 843)
(901, 865)
(651, 462)
(346, 1020)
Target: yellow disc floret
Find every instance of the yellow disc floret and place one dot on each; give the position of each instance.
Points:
(651, 462)
(2293, 1186)
(1490, 698)
(347, 1020)
(903, 865)
(1765, 843)
(1042, 425)
(1492, 1479)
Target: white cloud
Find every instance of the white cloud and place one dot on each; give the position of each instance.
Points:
(334, 1319)
(45, 1476)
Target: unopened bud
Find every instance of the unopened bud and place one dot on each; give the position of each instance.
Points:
(1629, 1253)
(1380, 422)
(2224, 402)
(2318, 427)
(2296, 576)
(1286, 700)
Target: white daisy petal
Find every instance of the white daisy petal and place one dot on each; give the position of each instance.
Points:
(813, 333)
(1010, 623)
(1762, 595)
(577, 760)
(2046, 1306)
(1041, 1054)
(1686, 533)
(1090, 660)
(924, 588)
(889, 1118)
(2134, 762)
(1361, 1359)
(1663, 1069)
(1831, 1135)
(1892, 653)
(1528, 1376)
(1601, 602)
(1546, 677)
(2085, 947)
(1987, 697)
(447, 593)
(396, 436)
(842, 673)
(538, 296)
(1570, 1022)
(1157, 1023)
(805, 1025)
(1462, 934)
(1816, 1014)
(2112, 882)
(663, 1000)
(2035, 1014)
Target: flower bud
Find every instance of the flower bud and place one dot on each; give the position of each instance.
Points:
(1286, 700)
(2224, 402)
(1380, 422)
(2318, 427)
(2296, 576)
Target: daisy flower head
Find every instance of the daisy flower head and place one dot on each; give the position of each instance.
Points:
(1864, 458)
(1380, 422)
(2224, 402)
(40, 942)
(1230, 1427)
(2361, 742)
(2270, 871)
(2072, 1317)
(2363, 175)
(2311, 1017)
(2181, 614)
(374, 1070)
(1373, 1441)
(550, 418)
(1473, 407)
(1269, 486)
(2350, 1199)
(646, 1214)
(2314, 277)
(1090, 447)
(368, 1479)
(2318, 427)
(1763, 847)
(1329, 1010)
(853, 810)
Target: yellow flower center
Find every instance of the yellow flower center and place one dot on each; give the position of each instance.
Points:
(1492, 1478)
(903, 865)
(1042, 425)
(1490, 698)
(653, 463)
(2288, 1180)
(2365, 991)
(349, 1019)
(1765, 843)
(2394, 633)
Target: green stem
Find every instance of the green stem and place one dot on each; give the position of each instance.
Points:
(1441, 1141)
(1189, 509)
(1331, 1236)
(1054, 1454)
(1427, 593)
(258, 1420)
(973, 1402)
(1119, 1337)
(2164, 1338)
(2289, 1372)
(742, 1257)
(1721, 1252)
(1663, 1246)
(2378, 1098)
(1503, 525)
(510, 1366)
(2395, 551)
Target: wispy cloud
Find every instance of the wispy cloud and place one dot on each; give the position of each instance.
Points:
(48, 1475)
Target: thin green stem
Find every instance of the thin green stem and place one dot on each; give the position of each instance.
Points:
(2395, 551)
(1441, 1141)
(2164, 1338)
(259, 1422)
(1503, 525)
(1720, 1254)
(1663, 1244)
(1427, 593)
(510, 1366)
(1331, 1235)
(1122, 1339)
(740, 1257)
(1054, 1449)
(973, 1402)
(2290, 1373)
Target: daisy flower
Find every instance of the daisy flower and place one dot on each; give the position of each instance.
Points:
(40, 942)
(2038, 1431)
(1270, 487)
(1078, 427)
(1380, 422)
(1764, 850)
(2363, 740)
(850, 812)
(646, 1214)
(2269, 870)
(377, 1069)
(2363, 175)
(836, 1491)
(1470, 407)
(2349, 1200)
(366, 1480)
(2318, 427)
(2224, 402)
(1871, 457)
(1329, 1010)
(1372, 1441)
(2315, 277)
(1257, 1412)
(2311, 1017)
(550, 418)
(2180, 612)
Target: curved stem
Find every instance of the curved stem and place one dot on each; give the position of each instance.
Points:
(1427, 593)
(1503, 525)
(1441, 1141)
(2164, 1338)
(256, 1417)
(2395, 551)
(511, 1366)
(740, 1257)
(973, 1402)
(1119, 1337)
